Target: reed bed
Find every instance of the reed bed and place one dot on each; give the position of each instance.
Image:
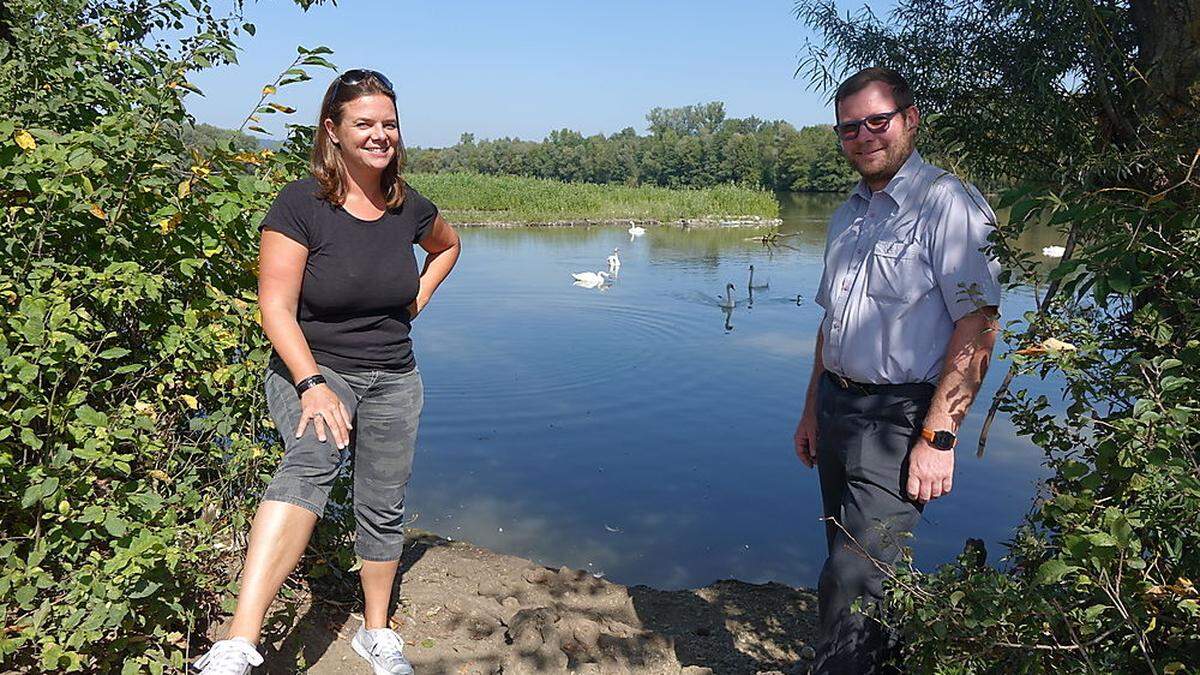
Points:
(470, 198)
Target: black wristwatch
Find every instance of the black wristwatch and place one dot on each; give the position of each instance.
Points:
(308, 383)
(941, 439)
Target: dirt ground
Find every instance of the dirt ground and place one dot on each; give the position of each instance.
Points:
(464, 609)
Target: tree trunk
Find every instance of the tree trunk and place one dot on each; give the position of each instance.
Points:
(1168, 34)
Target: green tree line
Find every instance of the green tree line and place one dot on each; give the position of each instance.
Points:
(693, 146)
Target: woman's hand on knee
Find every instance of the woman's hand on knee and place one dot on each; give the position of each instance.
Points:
(321, 406)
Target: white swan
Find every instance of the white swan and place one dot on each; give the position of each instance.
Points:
(636, 231)
(728, 302)
(590, 279)
(614, 262)
(754, 286)
(1053, 251)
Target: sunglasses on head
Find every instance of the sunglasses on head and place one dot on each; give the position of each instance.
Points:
(356, 76)
(877, 124)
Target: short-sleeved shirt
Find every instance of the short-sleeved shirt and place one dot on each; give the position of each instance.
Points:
(902, 265)
(359, 279)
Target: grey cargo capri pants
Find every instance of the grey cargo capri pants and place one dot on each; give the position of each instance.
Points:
(385, 408)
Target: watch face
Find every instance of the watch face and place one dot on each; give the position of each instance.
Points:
(943, 440)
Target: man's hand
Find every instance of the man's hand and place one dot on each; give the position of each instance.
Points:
(806, 437)
(930, 472)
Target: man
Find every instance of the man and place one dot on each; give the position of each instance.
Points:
(910, 298)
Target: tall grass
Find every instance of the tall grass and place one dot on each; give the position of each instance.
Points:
(470, 198)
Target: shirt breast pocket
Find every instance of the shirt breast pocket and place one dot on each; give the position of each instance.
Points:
(896, 272)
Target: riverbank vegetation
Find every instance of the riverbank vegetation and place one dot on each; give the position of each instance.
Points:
(131, 413)
(694, 146)
(477, 198)
(1095, 106)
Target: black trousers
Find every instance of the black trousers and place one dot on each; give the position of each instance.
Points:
(863, 439)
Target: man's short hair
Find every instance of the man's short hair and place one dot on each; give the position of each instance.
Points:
(901, 94)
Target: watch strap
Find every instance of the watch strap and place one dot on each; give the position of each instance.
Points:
(929, 435)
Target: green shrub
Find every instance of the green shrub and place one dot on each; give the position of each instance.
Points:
(132, 430)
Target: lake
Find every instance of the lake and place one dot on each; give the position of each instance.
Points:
(640, 431)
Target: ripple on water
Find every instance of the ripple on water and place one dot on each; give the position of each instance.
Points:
(574, 360)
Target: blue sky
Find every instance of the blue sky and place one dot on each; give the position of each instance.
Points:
(524, 68)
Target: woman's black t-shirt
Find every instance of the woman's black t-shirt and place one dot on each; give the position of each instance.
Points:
(359, 279)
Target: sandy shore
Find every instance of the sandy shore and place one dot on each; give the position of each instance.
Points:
(464, 609)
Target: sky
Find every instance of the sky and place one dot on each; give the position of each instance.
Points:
(527, 67)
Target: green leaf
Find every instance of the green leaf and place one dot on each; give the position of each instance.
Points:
(49, 486)
(144, 589)
(32, 495)
(28, 373)
(1064, 268)
(318, 61)
(1092, 613)
(51, 655)
(1173, 382)
(115, 525)
(24, 595)
(1051, 571)
(1121, 531)
(90, 416)
(29, 438)
(1120, 281)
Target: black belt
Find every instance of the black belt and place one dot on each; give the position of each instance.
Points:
(869, 388)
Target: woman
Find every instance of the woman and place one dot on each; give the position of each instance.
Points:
(338, 288)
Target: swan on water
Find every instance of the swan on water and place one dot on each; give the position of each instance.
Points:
(590, 279)
(636, 231)
(1053, 251)
(614, 262)
(751, 284)
(728, 302)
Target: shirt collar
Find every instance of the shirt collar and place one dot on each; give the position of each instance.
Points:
(901, 184)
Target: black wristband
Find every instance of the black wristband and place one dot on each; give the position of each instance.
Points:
(308, 383)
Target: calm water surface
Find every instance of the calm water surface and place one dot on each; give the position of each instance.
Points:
(640, 431)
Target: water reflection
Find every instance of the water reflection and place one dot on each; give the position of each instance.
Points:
(636, 431)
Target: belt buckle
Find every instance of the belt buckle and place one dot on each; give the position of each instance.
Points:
(850, 385)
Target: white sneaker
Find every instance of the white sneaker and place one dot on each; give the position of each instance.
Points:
(235, 656)
(383, 649)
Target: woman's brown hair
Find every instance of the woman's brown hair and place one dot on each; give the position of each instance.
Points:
(326, 160)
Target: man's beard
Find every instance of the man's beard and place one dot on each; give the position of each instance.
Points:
(895, 155)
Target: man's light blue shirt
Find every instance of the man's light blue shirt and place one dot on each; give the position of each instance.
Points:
(901, 266)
